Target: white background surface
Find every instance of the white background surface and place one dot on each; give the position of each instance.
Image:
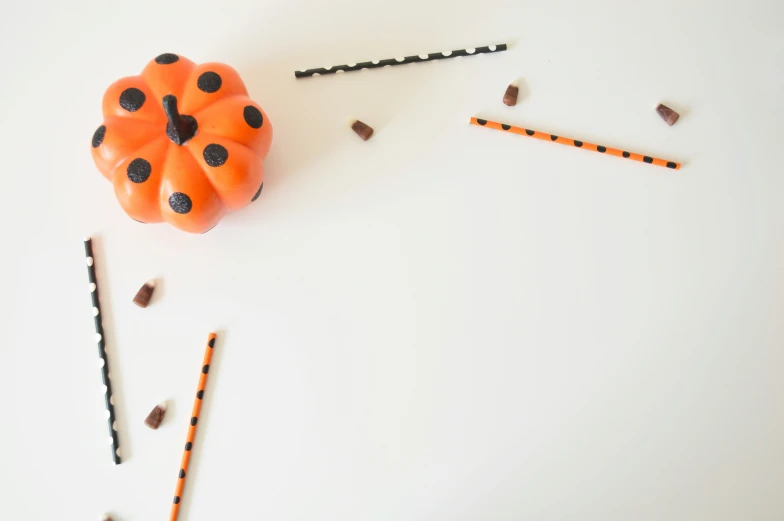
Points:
(444, 322)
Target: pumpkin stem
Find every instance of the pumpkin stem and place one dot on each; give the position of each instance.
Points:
(180, 127)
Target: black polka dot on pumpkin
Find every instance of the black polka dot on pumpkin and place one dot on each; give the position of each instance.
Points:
(578, 144)
(505, 126)
(670, 164)
(647, 159)
(529, 132)
(98, 136)
(200, 395)
(601, 149)
(258, 193)
(626, 154)
(209, 82)
(132, 99)
(482, 122)
(215, 155)
(188, 446)
(553, 137)
(253, 116)
(182, 473)
(167, 58)
(194, 420)
(205, 369)
(176, 500)
(180, 203)
(211, 343)
(139, 170)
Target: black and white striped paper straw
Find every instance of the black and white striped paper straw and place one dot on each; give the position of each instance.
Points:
(103, 363)
(306, 73)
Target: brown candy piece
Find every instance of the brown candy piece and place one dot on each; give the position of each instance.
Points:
(667, 114)
(362, 130)
(107, 517)
(155, 417)
(510, 96)
(144, 294)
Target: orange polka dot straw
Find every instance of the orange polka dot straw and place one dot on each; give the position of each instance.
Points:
(186, 457)
(575, 143)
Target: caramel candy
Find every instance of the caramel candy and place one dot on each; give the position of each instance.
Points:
(362, 130)
(155, 417)
(667, 114)
(510, 96)
(144, 294)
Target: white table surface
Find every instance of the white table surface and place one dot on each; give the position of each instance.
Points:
(442, 323)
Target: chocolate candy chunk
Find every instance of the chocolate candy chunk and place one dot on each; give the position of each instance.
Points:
(510, 96)
(144, 294)
(362, 130)
(155, 417)
(107, 517)
(667, 114)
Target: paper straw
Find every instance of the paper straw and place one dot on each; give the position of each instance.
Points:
(186, 456)
(575, 143)
(103, 362)
(375, 64)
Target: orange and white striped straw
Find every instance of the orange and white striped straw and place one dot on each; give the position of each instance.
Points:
(186, 457)
(575, 143)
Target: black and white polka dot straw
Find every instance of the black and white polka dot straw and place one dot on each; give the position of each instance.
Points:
(103, 362)
(375, 64)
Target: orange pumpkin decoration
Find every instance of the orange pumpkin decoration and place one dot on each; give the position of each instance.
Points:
(182, 143)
